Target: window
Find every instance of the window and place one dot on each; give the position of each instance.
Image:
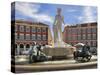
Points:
(94, 36)
(88, 30)
(79, 37)
(89, 36)
(43, 29)
(27, 36)
(33, 29)
(83, 30)
(44, 37)
(69, 31)
(75, 31)
(72, 31)
(38, 37)
(94, 30)
(27, 29)
(21, 28)
(79, 31)
(33, 37)
(84, 36)
(21, 36)
(38, 29)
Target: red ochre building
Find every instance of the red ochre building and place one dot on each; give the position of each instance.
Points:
(28, 33)
(83, 33)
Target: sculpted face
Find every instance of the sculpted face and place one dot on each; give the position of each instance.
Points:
(59, 11)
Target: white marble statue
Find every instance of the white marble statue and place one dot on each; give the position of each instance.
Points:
(57, 28)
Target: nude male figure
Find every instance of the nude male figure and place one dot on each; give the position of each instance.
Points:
(57, 27)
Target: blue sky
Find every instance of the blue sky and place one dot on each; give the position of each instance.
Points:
(39, 12)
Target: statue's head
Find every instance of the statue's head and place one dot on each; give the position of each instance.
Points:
(58, 11)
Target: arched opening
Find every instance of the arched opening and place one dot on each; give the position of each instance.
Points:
(21, 48)
(27, 46)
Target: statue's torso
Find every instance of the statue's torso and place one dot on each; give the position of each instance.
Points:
(58, 20)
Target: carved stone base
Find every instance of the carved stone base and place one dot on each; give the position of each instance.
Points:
(58, 51)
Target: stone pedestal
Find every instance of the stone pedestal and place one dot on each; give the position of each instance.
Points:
(58, 52)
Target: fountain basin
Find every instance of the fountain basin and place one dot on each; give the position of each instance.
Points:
(59, 52)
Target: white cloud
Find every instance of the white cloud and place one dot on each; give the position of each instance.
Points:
(71, 10)
(26, 8)
(87, 15)
(42, 17)
(31, 10)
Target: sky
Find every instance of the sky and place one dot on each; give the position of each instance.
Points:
(45, 13)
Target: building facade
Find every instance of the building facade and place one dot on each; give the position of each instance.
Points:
(83, 33)
(29, 33)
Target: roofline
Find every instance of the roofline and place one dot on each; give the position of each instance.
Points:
(76, 25)
(28, 22)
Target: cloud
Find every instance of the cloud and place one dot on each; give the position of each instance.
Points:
(42, 17)
(32, 11)
(71, 10)
(26, 8)
(88, 15)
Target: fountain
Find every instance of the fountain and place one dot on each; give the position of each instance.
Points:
(57, 29)
(60, 48)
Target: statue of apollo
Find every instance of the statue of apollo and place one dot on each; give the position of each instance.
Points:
(57, 28)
